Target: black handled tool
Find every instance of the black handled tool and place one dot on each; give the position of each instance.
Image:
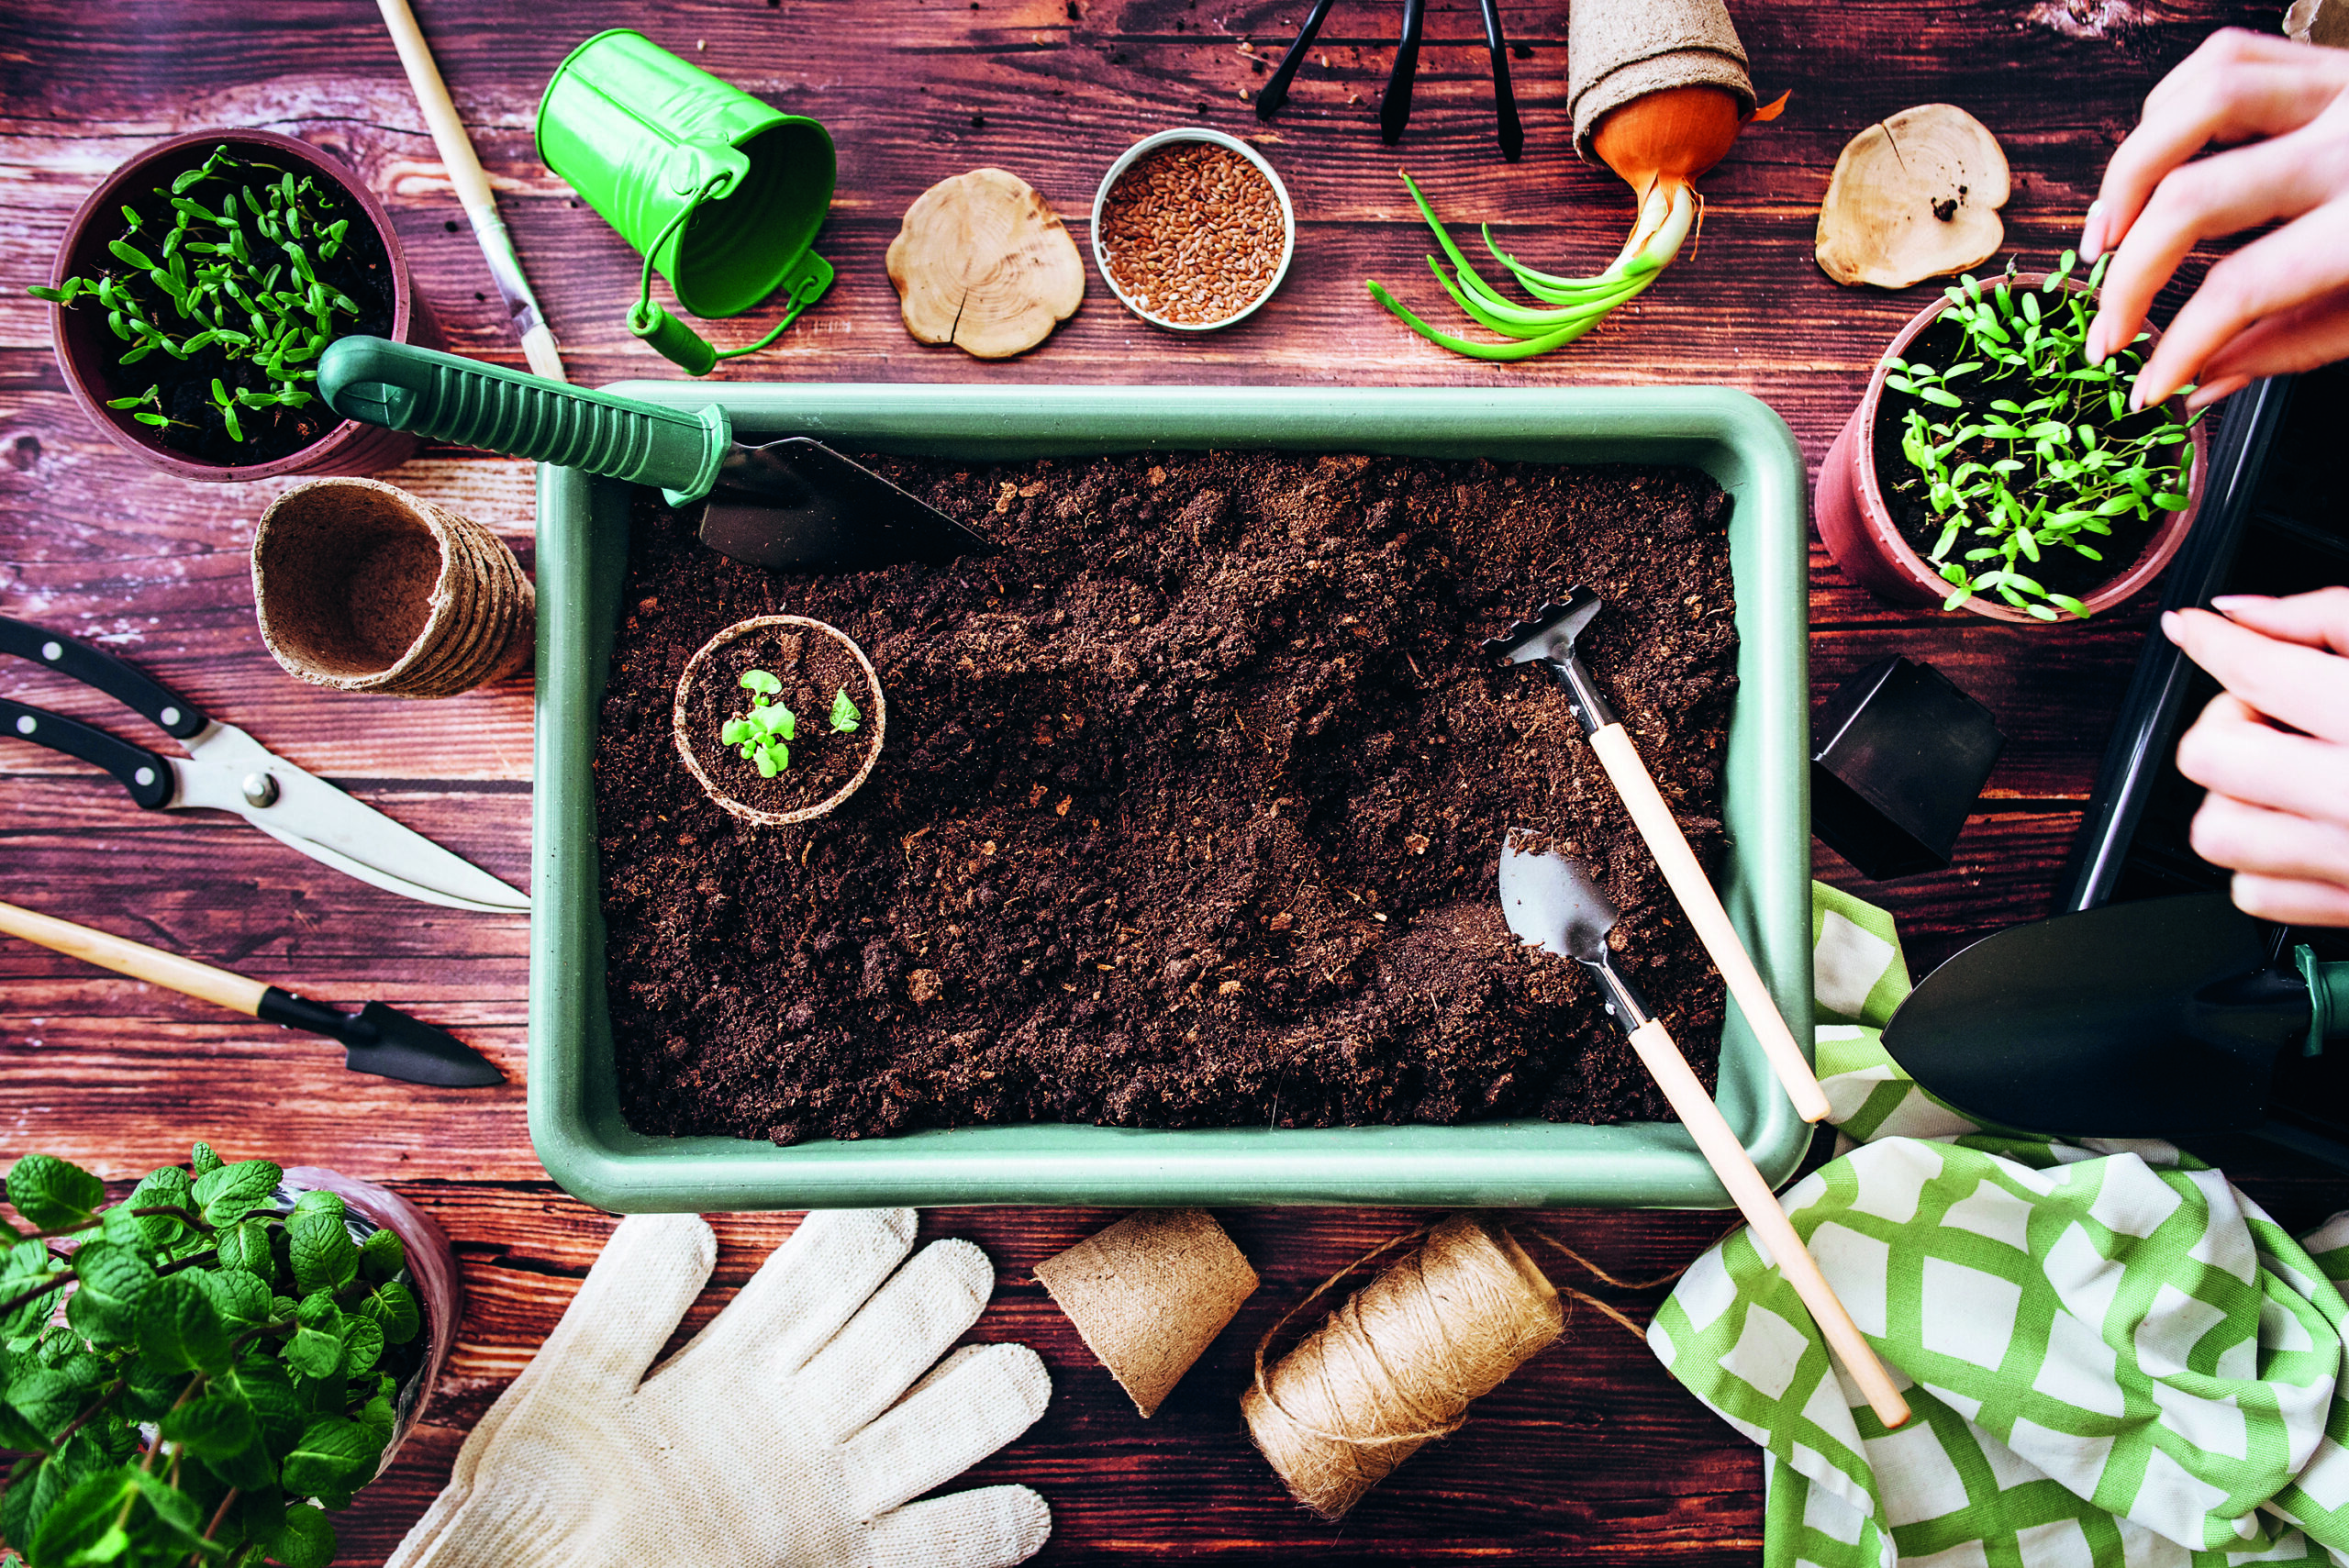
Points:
(379, 1039)
(1395, 105)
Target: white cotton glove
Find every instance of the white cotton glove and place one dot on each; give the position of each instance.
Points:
(791, 1430)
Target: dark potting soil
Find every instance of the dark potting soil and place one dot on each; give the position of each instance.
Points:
(1189, 812)
(1904, 489)
(811, 667)
(360, 270)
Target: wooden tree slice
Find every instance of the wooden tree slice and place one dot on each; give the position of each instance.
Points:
(1912, 198)
(985, 263)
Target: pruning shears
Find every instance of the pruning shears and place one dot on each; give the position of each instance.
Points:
(228, 770)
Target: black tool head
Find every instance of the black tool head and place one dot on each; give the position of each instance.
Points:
(1550, 901)
(2161, 1017)
(1549, 634)
(797, 506)
(386, 1042)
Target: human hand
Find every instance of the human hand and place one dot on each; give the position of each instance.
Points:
(2281, 303)
(2273, 749)
(794, 1428)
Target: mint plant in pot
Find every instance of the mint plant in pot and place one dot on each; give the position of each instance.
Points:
(196, 289)
(1992, 467)
(187, 1370)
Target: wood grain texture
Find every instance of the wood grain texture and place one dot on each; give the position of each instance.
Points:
(1591, 1454)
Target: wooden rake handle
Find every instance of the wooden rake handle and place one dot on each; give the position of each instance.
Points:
(137, 960)
(1694, 890)
(1730, 1162)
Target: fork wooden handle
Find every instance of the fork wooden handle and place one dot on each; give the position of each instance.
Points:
(1754, 1199)
(1697, 900)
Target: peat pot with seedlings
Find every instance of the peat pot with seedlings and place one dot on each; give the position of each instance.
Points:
(1990, 466)
(1193, 229)
(238, 1340)
(780, 719)
(198, 285)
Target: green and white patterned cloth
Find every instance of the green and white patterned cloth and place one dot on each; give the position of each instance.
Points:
(2114, 1359)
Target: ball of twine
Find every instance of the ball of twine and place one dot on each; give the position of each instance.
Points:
(1397, 1364)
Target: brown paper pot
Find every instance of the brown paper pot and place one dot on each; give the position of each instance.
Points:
(874, 730)
(364, 587)
(1621, 50)
(1149, 1294)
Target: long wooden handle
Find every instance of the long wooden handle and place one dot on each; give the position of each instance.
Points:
(1730, 1162)
(470, 185)
(137, 960)
(1694, 889)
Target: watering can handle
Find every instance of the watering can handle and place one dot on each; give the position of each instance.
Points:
(474, 404)
(2328, 986)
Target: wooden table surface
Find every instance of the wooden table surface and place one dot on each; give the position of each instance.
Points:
(1591, 1454)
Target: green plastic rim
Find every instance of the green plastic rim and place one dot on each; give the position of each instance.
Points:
(576, 1122)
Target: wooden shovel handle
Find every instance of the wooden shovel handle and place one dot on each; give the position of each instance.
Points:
(1730, 1162)
(1690, 885)
(139, 962)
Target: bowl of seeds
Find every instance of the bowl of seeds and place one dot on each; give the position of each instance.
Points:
(1192, 230)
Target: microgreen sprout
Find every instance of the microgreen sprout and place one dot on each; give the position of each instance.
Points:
(762, 733)
(846, 716)
(2013, 476)
(241, 282)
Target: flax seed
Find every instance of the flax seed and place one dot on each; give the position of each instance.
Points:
(1193, 233)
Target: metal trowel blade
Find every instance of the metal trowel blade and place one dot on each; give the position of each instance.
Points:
(386, 1042)
(1550, 901)
(2160, 1017)
(797, 506)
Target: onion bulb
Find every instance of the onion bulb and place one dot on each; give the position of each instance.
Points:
(1660, 144)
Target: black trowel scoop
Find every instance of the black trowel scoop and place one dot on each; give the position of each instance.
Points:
(2160, 1018)
(793, 505)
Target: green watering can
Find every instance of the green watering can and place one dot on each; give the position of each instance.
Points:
(719, 192)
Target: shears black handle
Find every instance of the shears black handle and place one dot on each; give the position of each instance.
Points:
(146, 775)
(94, 667)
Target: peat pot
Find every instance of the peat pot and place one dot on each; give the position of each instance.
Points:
(86, 348)
(577, 1123)
(1860, 532)
(431, 1274)
(809, 658)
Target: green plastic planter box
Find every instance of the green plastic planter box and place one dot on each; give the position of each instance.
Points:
(582, 556)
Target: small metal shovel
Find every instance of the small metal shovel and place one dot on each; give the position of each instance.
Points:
(1549, 640)
(791, 506)
(1550, 902)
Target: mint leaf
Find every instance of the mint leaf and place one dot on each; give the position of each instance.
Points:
(166, 1188)
(180, 1329)
(240, 1298)
(203, 1162)
(104, 1308)
(262, 1383)
(392, 1308)
(49, 1398)
(302, 1539)
(319, 1245)
(244, 1246)
(53, 1195)
(362, 1345)
(230, 1193)
(382, 1256)
(316, 1349)
(335, 1455)
(214, 1426)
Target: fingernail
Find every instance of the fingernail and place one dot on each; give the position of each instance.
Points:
(2174, 627)
(2092, 233)
(2228, 604)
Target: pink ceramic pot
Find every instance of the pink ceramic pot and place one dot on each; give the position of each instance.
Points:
(1848, 505)
(86, 347)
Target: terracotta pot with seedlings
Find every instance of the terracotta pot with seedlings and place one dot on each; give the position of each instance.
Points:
(780, 719)
(196, 288)
(1989, 466)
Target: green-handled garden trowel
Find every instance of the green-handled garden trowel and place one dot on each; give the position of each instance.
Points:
(2160, 1018)
(793, 505)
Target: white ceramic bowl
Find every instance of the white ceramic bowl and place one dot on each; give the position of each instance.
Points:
(1142, 149)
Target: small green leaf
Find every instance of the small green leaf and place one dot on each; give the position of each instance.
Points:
(212, 1426)
(736, 730)
(382, 1255)
(53, 1195)
(179, 1329)
(334, 1455)
(228, 1193)
(104, 1308)
(846, 716)
(319, 1244)
(391, 1306)
(301, 1538)
(244, 1246)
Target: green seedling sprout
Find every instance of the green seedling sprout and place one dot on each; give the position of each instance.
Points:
(846, 716)
(2034, 472)
(240, 279)
(762, 733)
